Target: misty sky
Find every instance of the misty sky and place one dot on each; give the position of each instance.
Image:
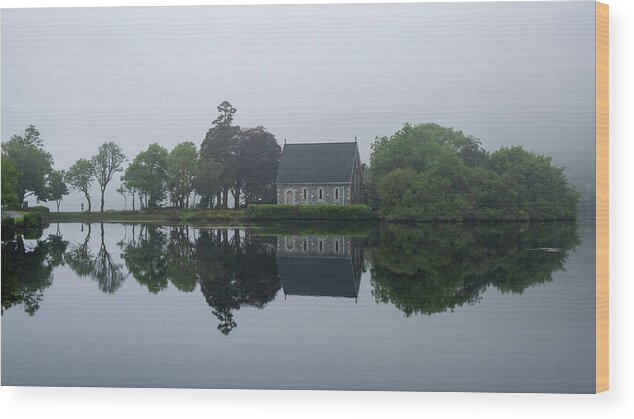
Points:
(508, 73)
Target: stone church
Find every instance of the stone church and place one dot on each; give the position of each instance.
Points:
(320, 173)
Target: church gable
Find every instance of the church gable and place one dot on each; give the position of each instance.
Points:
(319, 173)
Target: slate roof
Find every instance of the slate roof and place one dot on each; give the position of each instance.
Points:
(317, 162)
(323, 277)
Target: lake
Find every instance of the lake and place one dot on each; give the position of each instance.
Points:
(432, 307)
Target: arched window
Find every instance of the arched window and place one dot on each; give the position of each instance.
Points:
(337, 193)
(337, 246)
(289, 197)
(321, 193)
(321, 246)
(305, 245)
(289, 243)
(305, 194)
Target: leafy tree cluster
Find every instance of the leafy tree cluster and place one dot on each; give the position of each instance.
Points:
(427, 172)
(231, 160)
(99, 169)
(239, 161)
(27, 170)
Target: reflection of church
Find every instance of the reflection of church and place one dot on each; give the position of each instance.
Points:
(320, 266)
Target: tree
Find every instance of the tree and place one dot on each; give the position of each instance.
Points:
(80, 177)
(427, 172)
(108, 161)
(27, 154)
(207, 181)
(10, 179)
(257, 159)
(219, 147)
(418, 146)
(542, 190)
(182, 163)
(147, 173)
(56, 187)
(123, 192)
(128, 187)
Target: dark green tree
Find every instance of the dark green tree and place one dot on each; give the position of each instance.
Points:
(541, 189)
(182, 164)
(148, 174)
(10, 180)
(219, 147)
(32, 162)
(427, 173)
(207, 181)
(257, 159)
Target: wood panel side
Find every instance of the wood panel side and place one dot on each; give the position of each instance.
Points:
(602, 198)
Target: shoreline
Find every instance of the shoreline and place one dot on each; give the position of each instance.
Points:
(243, 217)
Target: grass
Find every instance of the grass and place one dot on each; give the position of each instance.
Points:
(254, 213)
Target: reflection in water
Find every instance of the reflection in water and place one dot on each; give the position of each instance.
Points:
(422, 269)
(235, 271)
(28, 270)
(101, 268)
(232, 270)
(433, 268)
(324, 266)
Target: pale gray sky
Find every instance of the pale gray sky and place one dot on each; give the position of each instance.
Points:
(508, 73)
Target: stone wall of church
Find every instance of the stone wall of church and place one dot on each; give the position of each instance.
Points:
(308, 194)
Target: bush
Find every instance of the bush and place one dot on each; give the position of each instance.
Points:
(32, 219)
(311, 212)
(41, 212)
(8, 228)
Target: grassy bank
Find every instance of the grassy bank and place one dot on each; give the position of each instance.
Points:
(254, 213)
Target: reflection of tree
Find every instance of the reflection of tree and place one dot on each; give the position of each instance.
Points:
(100, 267)
(232, 271)
(235, 272)
(145, 258)
(106, 271)
(437, 267)
(80, 258)
(26, 273)
(179, 252)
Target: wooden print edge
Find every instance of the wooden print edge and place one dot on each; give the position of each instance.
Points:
(602, 197)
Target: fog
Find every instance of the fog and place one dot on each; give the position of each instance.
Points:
(507, 73)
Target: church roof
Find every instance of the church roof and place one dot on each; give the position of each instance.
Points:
(317, 162)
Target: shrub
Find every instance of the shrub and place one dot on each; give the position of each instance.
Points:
(32, 219)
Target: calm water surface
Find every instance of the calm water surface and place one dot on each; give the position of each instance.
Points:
(492, 307)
